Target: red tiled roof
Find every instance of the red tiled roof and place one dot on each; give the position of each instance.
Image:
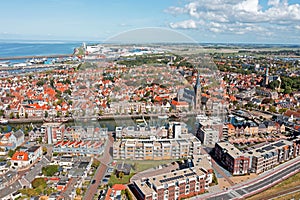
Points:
(119, 187)
(20, 155)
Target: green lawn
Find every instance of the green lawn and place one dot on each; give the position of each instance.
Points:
(114, 180)
(137, 166)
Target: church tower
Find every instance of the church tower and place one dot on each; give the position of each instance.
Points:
(266, 77)
(198, 91)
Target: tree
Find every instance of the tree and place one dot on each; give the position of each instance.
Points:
(68, 81)
(50, 170)
(272, 109)
(40, 83)
(29, 192)
(18, 116)
(78, 191)
(10, 153)
(58, 114)
(40, 140)
(26, 115)
(46, 114)
(121, 175)
(44, 150)
(11, 115)
(95, 163)
(288, 90)
(52, 83)
(128, 194)
(274, 84)
(1, 112)
(68, 91)
(70, 102)
(39, 182)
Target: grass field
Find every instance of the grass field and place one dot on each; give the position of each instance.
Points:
(137, 166)
(114, 180)
(286, 184)
(295, 195)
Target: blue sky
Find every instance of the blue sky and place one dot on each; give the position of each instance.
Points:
(226, 21)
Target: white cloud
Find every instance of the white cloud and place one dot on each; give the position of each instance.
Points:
(273, 2)
(250, 6)
(238, 16)
(187, 24)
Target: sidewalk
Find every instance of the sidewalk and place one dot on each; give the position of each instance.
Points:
(248, 182)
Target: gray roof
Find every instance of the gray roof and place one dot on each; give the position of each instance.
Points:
(18, 134)
(262, 125)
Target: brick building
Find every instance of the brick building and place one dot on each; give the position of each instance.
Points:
(232, 158)
(179, 184)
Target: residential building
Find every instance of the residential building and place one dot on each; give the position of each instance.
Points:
(208, 136)
(180, 105)
(26, 157)
(270, 155)
(171, 130)
(79, 133)
(79, 147)
(7, 179)
(210, 129)
(3, 167)
(141, 131)
(179, 184)
(11, 140)
(232, 158)
(20, 159)
(53, 132)
(115, 192)
(17, 138)
(157, 149)
(257, 160)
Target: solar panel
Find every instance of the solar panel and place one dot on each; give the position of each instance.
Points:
(279, 144)
(268, 148)
(171, 179)
(190, 174)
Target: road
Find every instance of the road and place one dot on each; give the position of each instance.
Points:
(259, 184)
(105, 160)
(92, 189)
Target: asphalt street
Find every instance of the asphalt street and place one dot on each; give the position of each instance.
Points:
(252, 188)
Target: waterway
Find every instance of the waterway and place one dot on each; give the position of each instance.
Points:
(111, 124)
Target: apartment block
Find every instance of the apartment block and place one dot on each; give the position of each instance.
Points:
(208, 136)
(53, 132)
(232, 158)
(179, 184)
(257, 160)
(171, 130)
(270, 155)
(296, 143)
(157, 149)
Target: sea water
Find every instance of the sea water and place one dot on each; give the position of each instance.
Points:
(36, 48)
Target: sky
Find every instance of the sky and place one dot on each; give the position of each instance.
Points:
(213, 21)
